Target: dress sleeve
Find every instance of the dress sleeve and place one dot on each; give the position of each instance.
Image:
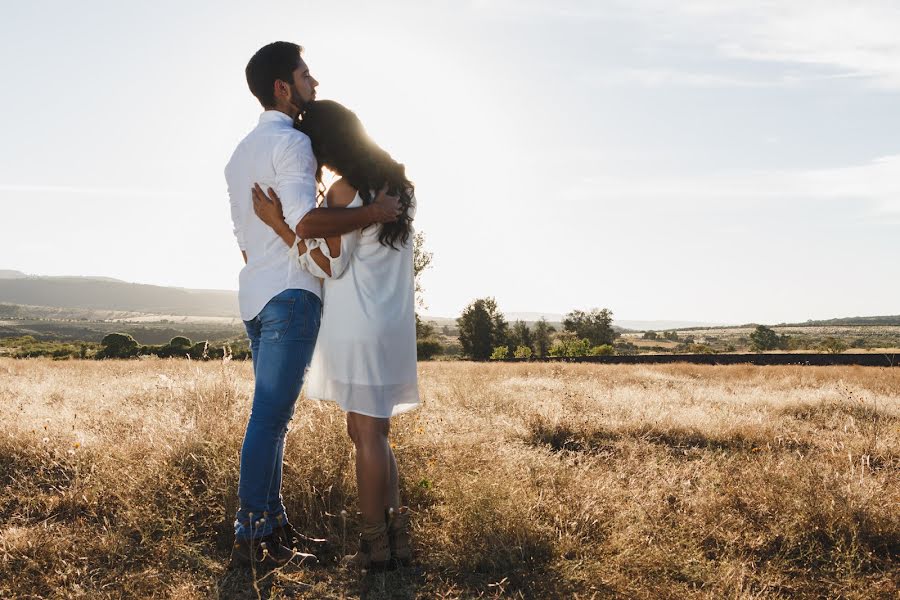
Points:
(338, 263)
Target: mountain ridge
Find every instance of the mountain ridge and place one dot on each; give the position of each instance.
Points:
(110, 294)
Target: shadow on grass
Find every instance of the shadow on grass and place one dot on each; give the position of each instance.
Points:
(583, 437)
(829, 412)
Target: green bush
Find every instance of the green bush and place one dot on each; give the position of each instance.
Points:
(602, 350)
(523, 352)
(427, 348)
(118, 345)
(570, 347)
(833, 345)
(764, 339)
(500, 353)
(199, 351)
(699, 349)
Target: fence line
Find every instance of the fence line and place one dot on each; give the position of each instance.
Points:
(821, 360)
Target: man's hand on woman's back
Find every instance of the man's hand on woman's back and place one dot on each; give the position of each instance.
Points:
(385, 208)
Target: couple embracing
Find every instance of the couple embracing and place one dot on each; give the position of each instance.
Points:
(326, 294)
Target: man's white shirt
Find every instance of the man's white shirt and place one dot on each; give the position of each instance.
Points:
(273, 155)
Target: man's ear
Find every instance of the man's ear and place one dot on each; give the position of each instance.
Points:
(281, 89)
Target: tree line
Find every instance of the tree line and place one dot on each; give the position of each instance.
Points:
(123, 345)
(484, 334)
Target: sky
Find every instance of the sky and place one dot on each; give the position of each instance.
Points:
(726, 161)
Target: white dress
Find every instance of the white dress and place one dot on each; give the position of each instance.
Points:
(365, 355)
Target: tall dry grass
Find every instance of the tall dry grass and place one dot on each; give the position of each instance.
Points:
(117, 480)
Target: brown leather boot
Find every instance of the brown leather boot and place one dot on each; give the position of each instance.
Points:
(265, 553)
(306, 548)
(374, 549)
(398, 535)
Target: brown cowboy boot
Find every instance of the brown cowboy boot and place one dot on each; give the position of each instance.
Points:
(398, 535)
(266, 553)
(374, 549)
(307, 548)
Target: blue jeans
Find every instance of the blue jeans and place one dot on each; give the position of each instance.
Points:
(282, 338)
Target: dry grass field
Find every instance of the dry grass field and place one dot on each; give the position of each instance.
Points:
(117, 480)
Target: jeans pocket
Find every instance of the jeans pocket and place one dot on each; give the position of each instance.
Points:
(305, 323)
(276, 319)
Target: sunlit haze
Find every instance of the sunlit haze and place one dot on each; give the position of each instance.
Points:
(728, 161)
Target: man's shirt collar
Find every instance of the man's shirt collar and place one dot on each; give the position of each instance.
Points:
(275, 116)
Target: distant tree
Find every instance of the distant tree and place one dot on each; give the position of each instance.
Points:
(859, 343)
(569, 345)
(445, 330)
(623, 347)
(118, 345)
(833, 345)
(421, 261)
(650, 335)
(697, 349)
(604, 350)
(541, 337)
(764, 339)
(786, 342)
(427, 348)
(594, 326)
(424, 329)
(500, 353)
(481, 328)
(179, 341)
(672, 336)
(199, 351)
(520, 335)
(499, 329)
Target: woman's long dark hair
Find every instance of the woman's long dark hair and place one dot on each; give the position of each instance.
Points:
(341, 144)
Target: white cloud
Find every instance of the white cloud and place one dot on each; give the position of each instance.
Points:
(88, 191)
(653, 77)
(851, 38)
(877, 184)
(840, 38)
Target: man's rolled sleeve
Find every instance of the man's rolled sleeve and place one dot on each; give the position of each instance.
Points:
(295, 178)
(235, 211)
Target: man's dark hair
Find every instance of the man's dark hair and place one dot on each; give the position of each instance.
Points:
(277, 60)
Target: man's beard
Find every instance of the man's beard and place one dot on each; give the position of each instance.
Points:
(297, 100)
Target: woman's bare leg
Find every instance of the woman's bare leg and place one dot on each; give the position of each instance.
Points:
(392, 498)
(374, 461)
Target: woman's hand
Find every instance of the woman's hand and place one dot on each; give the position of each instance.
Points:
(268, 207)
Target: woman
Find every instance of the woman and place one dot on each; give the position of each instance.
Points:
(365, 356)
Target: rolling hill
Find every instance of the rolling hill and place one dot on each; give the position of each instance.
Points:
(98, 293)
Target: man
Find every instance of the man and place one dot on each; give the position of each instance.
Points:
(279, 302)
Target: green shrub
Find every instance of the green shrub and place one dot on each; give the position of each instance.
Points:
(764, 339)
(179, 341)
(833, 345)
(699, 349)
(199, 351)
(500, 353)
(602, 350)
(523, 352)
(118, 345)
(570, 347)
(427, 348)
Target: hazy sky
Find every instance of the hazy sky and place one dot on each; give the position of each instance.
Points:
(711, 160)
